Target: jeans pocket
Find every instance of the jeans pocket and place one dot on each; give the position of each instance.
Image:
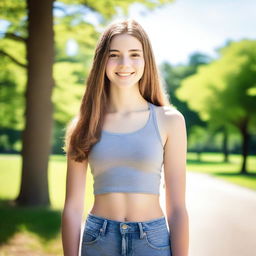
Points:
(91, 234)
(158, 238)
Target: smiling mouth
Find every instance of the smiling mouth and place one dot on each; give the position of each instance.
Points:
(124, 74)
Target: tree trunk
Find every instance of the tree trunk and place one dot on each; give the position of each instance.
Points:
(225, 144)
(245, 144)
(199, 154)
(38, 114)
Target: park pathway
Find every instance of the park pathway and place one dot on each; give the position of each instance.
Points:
(222, 217)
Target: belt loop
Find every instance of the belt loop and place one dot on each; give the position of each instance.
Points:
(142, 233)
(103, 229)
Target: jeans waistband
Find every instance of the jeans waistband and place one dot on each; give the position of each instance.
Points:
(131, 226)
(104, 224)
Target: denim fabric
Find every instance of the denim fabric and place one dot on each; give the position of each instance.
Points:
(105, 237)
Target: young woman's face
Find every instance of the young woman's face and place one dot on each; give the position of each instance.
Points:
(125, 65)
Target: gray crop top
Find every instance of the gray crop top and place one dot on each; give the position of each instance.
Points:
(128, 162)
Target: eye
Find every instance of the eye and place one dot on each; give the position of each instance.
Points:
(113, 55)
(135, 55)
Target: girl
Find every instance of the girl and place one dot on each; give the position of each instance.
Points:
(126, 130)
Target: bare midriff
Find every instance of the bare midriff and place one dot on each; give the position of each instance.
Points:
(127, 206)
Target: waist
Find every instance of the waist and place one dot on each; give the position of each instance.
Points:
(127, 206)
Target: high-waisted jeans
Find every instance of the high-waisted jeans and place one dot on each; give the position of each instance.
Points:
(105, 237)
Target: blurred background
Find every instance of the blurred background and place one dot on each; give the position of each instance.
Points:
(206, 54)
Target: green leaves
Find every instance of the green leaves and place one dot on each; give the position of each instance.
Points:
(219, 91)
(68, 90)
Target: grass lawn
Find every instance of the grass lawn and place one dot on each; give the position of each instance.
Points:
(212, 163)
(36, 231)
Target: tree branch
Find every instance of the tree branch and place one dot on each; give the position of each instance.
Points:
(13, 36)
(13, 59)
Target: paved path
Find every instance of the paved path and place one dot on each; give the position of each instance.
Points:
(222, 217)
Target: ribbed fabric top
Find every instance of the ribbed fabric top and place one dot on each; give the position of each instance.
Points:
(128, 162)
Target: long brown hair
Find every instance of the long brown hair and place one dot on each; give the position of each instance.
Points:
(85, 129)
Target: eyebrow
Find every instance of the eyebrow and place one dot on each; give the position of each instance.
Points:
(132, 50)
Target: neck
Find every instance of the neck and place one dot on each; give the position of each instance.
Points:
(123, 100)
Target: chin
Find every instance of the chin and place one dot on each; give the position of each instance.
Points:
(125, 84)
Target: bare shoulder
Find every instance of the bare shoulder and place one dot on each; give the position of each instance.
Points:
(170, 117)
(170, 122)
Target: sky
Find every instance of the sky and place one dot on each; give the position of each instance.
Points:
(186, 26)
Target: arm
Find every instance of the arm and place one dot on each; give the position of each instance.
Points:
(74, 206)
(175, 181)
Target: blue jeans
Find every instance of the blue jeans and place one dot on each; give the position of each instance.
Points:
(105, 237)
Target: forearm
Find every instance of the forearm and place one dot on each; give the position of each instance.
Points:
(70, 230)
(179, 232)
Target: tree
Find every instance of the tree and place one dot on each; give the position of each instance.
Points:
(39, 108)
(173, 76)
(220, 91)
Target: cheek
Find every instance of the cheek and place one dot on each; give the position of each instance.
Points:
(109, 67)
(110, 64)
(139, 64)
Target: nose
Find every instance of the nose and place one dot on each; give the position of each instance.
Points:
(124, 61)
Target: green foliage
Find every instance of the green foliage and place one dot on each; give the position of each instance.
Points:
(219, 91)
(83, 33)
(68, 91)
(14, 48)
(108, 8)
(173, 76)
(198, 138)
(12, 86)
(14, 11)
